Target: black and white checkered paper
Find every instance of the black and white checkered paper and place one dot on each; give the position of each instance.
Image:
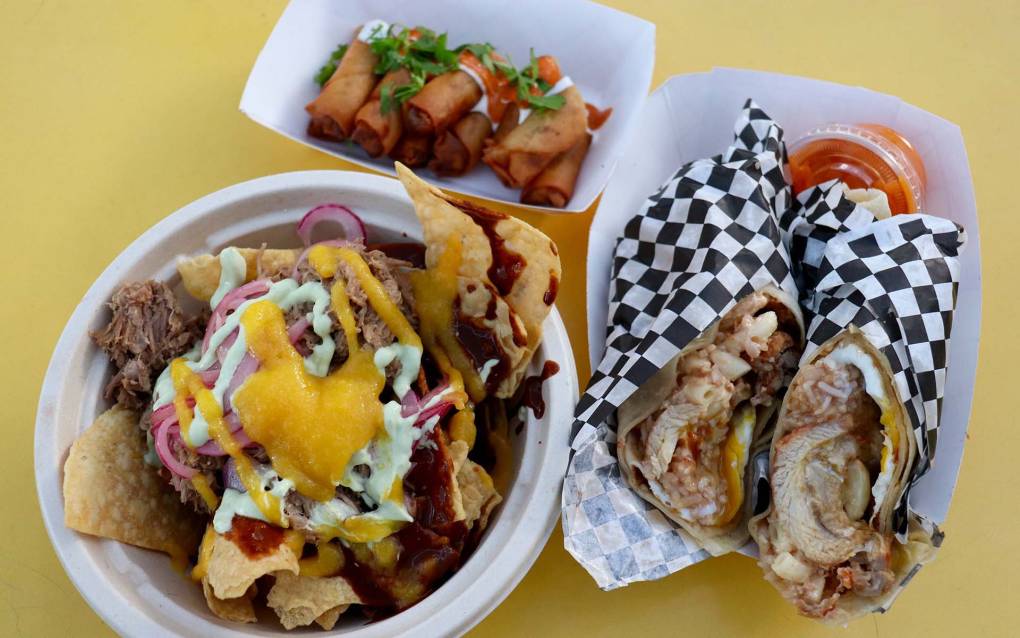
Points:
(708, 237)
(895, 279)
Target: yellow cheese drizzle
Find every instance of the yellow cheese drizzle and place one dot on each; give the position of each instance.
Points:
(435, 291)
(367, 528)
(328, 561)
(325, 261)
(204, 490)
(188, 384)
(310, 426)
(204, 554)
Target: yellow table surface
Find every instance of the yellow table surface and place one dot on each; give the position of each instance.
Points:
(113, 115)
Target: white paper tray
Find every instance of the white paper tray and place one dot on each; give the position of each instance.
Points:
(691, 117)
(613, 69)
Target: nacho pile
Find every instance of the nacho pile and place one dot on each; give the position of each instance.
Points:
(328, 442)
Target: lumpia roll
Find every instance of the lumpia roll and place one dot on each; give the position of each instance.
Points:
(539, 140)
(375, 131)
(444, 99)
(555, 185)
(412, 150)
(334, 110)
(458, 148)
(511, 119)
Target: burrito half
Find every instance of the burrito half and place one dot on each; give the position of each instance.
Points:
(840, 459)
(684, 437)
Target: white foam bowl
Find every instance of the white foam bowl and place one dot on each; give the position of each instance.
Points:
(137, 592)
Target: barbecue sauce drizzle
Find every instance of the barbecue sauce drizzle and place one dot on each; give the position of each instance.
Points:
(507, 265)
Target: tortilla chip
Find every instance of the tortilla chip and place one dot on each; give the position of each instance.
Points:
(110, 491)
(328, 618)
(478, 494)
(201, 274)
(231, 572)
(458, 456)
(301, 600)
(442, 216)
(234, 609)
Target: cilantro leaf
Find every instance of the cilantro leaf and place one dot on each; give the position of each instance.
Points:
(546, 101)
(329, 68)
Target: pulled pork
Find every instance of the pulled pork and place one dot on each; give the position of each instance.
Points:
(391, 273)
(147, 331)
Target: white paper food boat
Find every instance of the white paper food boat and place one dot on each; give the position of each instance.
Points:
(612, 70)
(691, 117)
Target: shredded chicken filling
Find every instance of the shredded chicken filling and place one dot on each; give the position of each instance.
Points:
(822, 543)
(749, 360)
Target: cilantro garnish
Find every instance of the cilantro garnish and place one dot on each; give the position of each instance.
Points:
(425, 55)
(329, 67)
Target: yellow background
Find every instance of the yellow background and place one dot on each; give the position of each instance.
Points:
(112, 115)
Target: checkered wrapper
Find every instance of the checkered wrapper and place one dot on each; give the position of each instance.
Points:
(895, 279)
(706, 238)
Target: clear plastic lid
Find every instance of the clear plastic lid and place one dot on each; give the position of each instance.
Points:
(862, 156)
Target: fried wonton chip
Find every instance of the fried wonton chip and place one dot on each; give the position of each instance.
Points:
(231, 572)
(458, 456)
(478, 494)
(233, 609)
(328, 619)
(201, 274)
(533, 290)
(110, 491)
(302, 600)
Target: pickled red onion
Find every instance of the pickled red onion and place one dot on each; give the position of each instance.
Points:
(353, 227)
(166, 455)
(212, 448)
(335, 243)
(297, 329)
(230, 302)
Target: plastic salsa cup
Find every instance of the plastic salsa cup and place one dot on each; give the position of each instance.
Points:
(862, 156)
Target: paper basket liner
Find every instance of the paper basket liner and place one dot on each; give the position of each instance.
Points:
(895, 279)
(706, 238)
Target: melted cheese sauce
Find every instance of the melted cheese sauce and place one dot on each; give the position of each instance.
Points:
(310, 426)
(435, 292)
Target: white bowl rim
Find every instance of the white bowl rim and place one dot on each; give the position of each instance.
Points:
(466, 598)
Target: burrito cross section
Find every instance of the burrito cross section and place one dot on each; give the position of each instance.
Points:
(685, 437)
(840, 460)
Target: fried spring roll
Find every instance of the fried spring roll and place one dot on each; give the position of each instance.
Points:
(511, 119)
(444, 100)
(412, 150)
(540, 139)
(555, 185)
(375, 131)
(334, 110)
(458, 148)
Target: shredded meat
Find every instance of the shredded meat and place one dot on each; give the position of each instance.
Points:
(749, 359)
(147, 330)
(391, 273)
